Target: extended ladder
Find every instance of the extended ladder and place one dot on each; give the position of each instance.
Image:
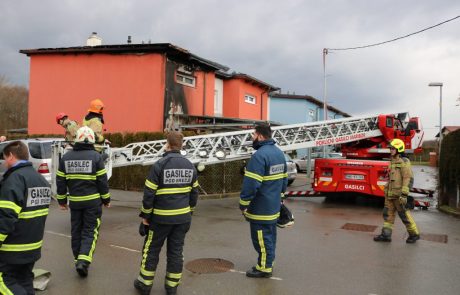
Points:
(229, 146)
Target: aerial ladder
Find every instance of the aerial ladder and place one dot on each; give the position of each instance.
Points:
(237, 145)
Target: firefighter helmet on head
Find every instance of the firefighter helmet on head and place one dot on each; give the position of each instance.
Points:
(96, 106)
(60, 116)
(85, 135)
(398, 144)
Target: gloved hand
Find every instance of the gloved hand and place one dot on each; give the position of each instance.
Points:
(143, 229)
(403, 200)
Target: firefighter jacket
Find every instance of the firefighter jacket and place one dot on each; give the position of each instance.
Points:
(24, 200)
(71, 128)
(171, 190)
(400, 178)
(265, 179)
(96, 123)
(82, 178)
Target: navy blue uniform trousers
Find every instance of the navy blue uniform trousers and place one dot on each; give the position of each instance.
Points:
(16, 279)
(85, 225)
(264, 240)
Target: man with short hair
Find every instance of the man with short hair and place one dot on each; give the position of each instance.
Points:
(170, 196)
(25, 196)
(82, 179)
(265, 179)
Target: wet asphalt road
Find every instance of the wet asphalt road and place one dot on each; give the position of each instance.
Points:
(315, 256)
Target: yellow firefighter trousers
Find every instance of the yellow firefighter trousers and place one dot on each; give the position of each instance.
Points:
(391, 207)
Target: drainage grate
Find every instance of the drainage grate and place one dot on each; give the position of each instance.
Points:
(359, 227)
(434, 238)
(209, 265)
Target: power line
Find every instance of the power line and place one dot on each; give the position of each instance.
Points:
(399, 38)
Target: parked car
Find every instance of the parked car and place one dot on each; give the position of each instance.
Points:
(301, 164)
(39, 155)
(291, 169)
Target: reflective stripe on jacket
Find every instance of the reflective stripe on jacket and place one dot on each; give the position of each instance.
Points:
(171, 190)
(265, 179)
(400, 178)
(24, 200)
(82, 179)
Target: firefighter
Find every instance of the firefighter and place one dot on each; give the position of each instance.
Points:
(82, 180)
(95, 119)
(396, 193)
(170, 196)
(70, 126)
(265, 179)
(24, 200)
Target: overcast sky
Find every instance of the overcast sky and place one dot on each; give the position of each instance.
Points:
(279, 42)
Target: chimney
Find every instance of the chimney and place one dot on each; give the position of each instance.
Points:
(129, 39)
(94, 40)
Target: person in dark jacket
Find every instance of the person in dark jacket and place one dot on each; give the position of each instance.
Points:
(170, 196)
(24, 200)
(82, 181)
(265, 179)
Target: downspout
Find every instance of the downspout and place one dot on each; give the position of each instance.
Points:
(262, 103)
(204, 93)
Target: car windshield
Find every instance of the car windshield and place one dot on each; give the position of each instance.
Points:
(40, 150)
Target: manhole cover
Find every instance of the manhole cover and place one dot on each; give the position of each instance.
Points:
(434, 238)
(359, 227)
(209, 265)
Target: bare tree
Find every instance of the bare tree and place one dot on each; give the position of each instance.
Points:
(13, 105)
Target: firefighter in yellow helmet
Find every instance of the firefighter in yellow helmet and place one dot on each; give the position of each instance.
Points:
(396, 193)
(95, 119)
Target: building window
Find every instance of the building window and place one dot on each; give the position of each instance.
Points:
(186, 80)
(250, 99)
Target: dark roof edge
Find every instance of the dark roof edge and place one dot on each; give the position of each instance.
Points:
(224, 75)
(129, 48)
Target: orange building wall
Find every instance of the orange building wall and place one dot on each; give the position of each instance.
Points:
(195, 96)
(236, 107)
(231, 98)
(131, 87)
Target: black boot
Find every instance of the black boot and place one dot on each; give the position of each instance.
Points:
(82, 268)
(412, 239)
(255, 273)
(382, 238)
(171, 291)
(141, 287)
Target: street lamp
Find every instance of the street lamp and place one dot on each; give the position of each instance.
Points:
(439, 84)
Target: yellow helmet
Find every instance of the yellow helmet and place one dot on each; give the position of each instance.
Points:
(96, 106)
(398, 144)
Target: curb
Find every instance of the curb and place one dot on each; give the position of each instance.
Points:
(449, 210)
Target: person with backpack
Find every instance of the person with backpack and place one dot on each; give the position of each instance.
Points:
(396, 195)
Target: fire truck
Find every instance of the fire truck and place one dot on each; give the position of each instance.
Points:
(365, 167)
(364, 142)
